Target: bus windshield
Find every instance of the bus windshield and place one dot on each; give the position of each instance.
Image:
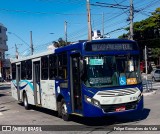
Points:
(108, 71)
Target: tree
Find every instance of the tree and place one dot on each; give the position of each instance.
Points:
(60, 43)
(148, 28)
(147, 33)
(156, 53)
(124, 36)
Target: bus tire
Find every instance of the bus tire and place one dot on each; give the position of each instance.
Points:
(63, 110)
(59, 109)
(25, 101)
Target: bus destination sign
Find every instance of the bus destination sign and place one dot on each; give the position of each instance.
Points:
(110, 46)
(105, 47)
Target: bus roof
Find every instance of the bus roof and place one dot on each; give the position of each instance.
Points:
(79, 45)
(32, 56)
(72, 46)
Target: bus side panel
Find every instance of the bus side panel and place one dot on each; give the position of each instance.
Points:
(27, 86)
(14, 89)
(48, 94)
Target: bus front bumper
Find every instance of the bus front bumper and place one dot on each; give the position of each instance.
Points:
(96, 110)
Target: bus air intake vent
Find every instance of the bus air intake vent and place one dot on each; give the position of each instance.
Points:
(118, 92)
(112, 108)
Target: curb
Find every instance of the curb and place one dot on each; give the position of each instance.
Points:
(149, 93)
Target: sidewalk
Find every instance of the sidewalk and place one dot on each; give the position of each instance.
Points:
(148, 85)
(147, 93)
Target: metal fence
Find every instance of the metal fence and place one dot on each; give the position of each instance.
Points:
(147, 85)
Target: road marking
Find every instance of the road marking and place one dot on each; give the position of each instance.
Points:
(1, 113)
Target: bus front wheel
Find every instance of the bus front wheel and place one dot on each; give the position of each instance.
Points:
(25, 101)
(62, 110)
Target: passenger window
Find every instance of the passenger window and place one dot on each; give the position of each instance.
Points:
(52, 67)
(29, 69)
(13, 71)
(23, 70)
(44, 67)
(62, 66)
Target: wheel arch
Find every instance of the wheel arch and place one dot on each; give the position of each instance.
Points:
(60, 97)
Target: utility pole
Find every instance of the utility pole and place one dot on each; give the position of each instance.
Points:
(118, 6)
(31, 43)
(103, 24)
(16, 51)
(131, 20)
(89, 21)
(65, 31)
(145, 56)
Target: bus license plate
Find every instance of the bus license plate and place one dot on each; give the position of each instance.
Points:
(123, 108)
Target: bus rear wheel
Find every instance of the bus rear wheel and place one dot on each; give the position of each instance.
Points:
(25, 101)
(62, 110)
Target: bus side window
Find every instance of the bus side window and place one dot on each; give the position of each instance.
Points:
(44, 68)
(23, 70)
(29, 69)
(52, 67)
(62, 66)
(13, 65)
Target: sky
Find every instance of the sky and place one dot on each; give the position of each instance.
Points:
(45, 18)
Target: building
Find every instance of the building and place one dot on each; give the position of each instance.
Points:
(4, 63)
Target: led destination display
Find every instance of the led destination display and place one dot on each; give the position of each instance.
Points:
(110, 46)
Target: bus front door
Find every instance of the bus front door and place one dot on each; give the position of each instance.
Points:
(36, 82)
(76, 94)
(18, 80)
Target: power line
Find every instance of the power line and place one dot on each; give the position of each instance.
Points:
(122, 9)
(114, 17)
(100, 5)
(113, 5)
(116, 30)
(37, 12)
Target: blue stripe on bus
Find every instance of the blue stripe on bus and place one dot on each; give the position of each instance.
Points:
(22, 87)
(28, 83)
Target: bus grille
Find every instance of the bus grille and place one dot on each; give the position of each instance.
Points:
(117, 92)
(112, 108)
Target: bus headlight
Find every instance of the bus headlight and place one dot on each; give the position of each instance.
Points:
(88, 99)
(92, 101)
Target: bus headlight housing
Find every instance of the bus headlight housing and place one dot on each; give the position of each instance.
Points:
(92, 101)
(139, 97)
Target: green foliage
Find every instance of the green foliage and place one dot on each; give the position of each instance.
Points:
(124, 36)
(155, 52)
(148, 28)
(147, 33)
(60, 43)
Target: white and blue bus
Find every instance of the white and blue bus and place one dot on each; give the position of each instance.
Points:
(90, 79)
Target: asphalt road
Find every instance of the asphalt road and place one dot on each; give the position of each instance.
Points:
(13, 113)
